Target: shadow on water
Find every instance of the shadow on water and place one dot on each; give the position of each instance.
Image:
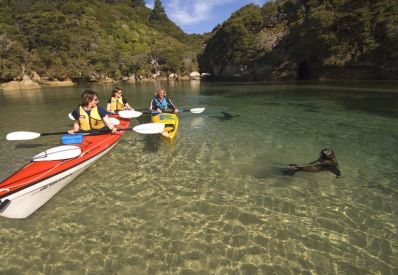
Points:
(382, 104)
(224, 116)
(152, 143)
(29, 146)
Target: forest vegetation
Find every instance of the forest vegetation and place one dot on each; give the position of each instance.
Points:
(79, 39)
(281, 40)
(306, 39)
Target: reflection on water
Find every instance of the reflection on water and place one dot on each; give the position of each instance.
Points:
(216, 201)
(195, 85)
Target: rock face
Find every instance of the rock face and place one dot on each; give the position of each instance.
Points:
(173, 76)
(131, 79)
(107, 80)
(66, 82)
(25, 84)
(35, 77)
(194, 75)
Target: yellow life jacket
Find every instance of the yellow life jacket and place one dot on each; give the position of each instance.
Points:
(117, 104)
(92, 122)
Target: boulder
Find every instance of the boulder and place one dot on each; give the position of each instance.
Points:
(194, 75)
(107, 80)
(35, 77)
(131, 79)
(25, 84)
(173, 76)
(58, 83)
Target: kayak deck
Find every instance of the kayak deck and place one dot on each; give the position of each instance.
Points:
(171, 124)
(36, 173)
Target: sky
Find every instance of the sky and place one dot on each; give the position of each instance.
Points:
(200, 16)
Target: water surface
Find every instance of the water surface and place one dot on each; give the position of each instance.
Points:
(215, 201)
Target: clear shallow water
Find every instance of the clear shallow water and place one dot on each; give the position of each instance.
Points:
(216, 202)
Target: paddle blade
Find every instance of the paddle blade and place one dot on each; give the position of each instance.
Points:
(129, 114)
(114, 121)
(22, 135)
(197, 110)
(149, 128)
(58, 153)
(71, 117)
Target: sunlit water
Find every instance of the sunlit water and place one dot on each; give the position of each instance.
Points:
(216, 201)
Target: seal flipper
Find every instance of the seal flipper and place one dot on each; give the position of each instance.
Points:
(334, 170)
(290, 170)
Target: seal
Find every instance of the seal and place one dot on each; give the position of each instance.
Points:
(326, 161)
(228, 115)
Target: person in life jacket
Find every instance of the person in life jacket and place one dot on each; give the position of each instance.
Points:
(89, 116)
(117, 103)
(161, 103)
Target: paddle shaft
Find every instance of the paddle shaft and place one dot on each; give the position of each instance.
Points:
(105, 131)
(164, 112)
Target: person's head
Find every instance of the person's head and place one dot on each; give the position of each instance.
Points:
(160, 93)
(117, 92)
(89, 97)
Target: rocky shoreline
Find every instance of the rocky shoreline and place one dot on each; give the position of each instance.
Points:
(34, 81)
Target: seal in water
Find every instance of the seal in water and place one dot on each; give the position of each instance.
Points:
(326, 161)
(228, 115)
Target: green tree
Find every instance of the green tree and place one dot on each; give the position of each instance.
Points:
(158, 12)
(138, 3)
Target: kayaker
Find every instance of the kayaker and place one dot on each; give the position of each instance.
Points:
(117, 102)
(89, 116)
(161, 103)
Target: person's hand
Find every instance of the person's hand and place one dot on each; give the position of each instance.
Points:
(71, 131)
(114, 130)
(158, 110)
(176, 111)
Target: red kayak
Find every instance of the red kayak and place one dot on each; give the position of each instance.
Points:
(34, 184)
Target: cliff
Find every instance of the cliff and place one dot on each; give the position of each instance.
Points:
(290, 40)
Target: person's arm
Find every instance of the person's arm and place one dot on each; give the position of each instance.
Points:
(76, 124)
(106, 119)
(76, 127)
(154, 107)
(109, 124)
(171, 105)
(128, 107)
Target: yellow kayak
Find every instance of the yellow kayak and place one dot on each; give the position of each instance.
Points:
(171, 124)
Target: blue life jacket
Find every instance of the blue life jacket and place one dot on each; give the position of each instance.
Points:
(162, 105)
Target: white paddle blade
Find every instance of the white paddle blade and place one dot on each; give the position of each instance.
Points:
(129, 114)
(197, 110)
(71, 117)
(114, 121)
(22, 135)
(149, 128)
(59, 153)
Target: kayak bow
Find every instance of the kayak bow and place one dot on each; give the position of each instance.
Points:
(34, 184)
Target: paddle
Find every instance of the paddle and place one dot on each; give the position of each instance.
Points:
(129, 114)
(147, 128)
(180, 110)
(59, 153)
(193, 110)
(122, 114)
